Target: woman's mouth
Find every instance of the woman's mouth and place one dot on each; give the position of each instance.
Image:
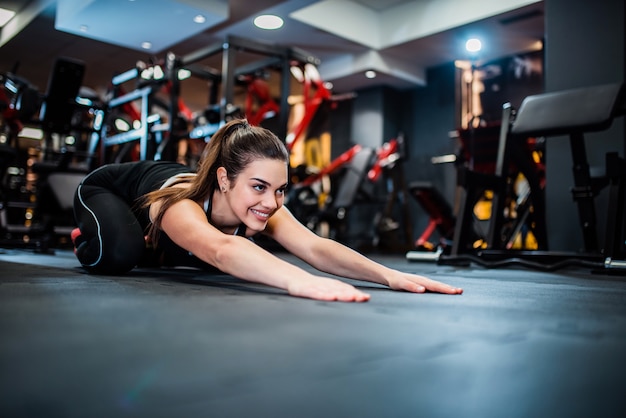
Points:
(264, 216)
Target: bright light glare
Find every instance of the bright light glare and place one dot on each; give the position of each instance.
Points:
(5, 16)
(147, 73)
(183, 74)
(158, 72)
(33, 133)
(121, 125)
(473, 45)
(83, 101)
(297, 73)
(370, 74)
(268, 22)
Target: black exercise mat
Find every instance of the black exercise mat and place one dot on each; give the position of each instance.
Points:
(189, 344)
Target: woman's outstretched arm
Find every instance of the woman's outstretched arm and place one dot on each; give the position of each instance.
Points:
(332, 257)
(186, 224)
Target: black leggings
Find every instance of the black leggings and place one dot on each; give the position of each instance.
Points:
(113, 225)
(112, 240)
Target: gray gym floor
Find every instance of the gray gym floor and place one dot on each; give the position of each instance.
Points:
(517, 343)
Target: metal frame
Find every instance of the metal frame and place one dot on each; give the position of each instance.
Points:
(572, 113)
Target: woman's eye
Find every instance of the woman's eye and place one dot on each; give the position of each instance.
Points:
(259, 187)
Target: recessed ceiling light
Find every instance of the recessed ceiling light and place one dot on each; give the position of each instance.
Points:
(83, 28)
(268, 22)
(473, 45)
(199, 19)
(5, 16)
(146, 45)
(370, 74)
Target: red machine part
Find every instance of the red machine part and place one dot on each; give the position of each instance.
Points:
(385, 155)
(333, 166)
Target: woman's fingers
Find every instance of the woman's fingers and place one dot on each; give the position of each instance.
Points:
(435, 286)
(329, 290)
(420, 284)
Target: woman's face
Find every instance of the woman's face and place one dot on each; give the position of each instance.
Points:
(258, 192)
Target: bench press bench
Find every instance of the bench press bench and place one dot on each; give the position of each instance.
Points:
(571, 113)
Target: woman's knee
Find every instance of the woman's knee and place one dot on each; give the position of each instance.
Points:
(115, 256)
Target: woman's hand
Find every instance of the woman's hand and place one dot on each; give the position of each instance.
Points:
(323, 288)
(419, 284)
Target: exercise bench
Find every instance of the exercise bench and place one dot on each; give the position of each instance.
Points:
(571, 113)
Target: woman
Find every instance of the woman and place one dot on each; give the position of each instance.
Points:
(207, 216)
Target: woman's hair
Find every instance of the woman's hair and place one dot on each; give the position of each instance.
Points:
(234, 146)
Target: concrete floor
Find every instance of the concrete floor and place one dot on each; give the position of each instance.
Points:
(517, 343)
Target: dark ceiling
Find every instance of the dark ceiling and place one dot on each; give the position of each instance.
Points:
(399, 39)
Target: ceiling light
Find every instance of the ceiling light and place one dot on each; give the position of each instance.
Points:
(122, 125)
(83, 28)
(370, 74)
(32, 133)
(147, 73)
(158, 72)
(268, 22)
(199, 19)
(5, 16)
(83, 101)
(473, 45)
(146, 45)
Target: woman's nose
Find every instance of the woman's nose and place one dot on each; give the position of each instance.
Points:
(271, 201)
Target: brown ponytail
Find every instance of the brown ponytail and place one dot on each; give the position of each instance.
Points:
(234, 146)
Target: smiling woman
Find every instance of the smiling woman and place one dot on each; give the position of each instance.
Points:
(204, 219)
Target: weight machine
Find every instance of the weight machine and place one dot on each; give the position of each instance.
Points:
(352, 172)
(155, 135)
(38, 181)
(572, 113)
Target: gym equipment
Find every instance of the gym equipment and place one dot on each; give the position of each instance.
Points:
(260, 56)
(315, 94)
(156, 136)
(334, 215)
(60, 104)
(19, 102)
(308, 206)
(389, 158)
(441, 218)
(39, 182)
(259, 103)
(148, 133)
(515, 183)
(573, 113)
(353, 170)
